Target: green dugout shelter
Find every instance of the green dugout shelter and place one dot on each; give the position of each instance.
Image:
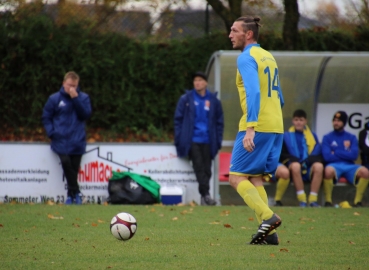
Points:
(307, 79)
(318, 82)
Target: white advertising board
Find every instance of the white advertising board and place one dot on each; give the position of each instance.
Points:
(31, 173)
(358, 115)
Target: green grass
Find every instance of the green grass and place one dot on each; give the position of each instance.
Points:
(77, 237)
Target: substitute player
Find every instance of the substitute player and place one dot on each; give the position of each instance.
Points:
(259, 140)
(340, 150)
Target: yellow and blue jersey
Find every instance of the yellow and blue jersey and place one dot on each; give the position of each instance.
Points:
(259, 90)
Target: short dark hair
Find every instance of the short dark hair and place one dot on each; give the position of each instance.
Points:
(200, 74)
(300, 113)
(250, 23)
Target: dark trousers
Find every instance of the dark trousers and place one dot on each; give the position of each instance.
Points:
(70, 165)
(201, 162)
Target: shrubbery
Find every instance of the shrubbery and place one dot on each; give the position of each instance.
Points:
(132, 84)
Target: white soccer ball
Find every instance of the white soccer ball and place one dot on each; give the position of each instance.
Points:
(123, 226)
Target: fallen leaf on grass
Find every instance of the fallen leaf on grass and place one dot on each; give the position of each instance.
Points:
(272, 255)
(147, 238)
(251, 219)
(225, 213)
(227, 225)
(49, 202)
(192, 203)
(283, 250)
(152, 210)
(93, 224)
(306, 219)
(175, 218)
(1, 225)
(352, 243)
(100, 221)
(211, 244)
(356, 214)
(349, 224)
(214, 222)
(75, 225)
(50, 216)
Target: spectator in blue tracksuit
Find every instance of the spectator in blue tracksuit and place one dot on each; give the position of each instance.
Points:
(198, 128)
(302, 154)
(340, 150)
(64, 116)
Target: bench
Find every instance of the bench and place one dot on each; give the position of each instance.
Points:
(225, 161)
(346, 192)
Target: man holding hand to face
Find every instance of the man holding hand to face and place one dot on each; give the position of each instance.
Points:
(64, 116)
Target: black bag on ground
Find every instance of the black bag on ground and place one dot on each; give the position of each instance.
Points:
(125, 190)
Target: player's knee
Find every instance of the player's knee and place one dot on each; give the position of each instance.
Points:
(233, 181)
(295, 167)
(283, 172)
(328, 173)
(318, 167)
(363, 173)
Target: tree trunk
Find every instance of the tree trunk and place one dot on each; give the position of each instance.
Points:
(228, 15)
(290, 25)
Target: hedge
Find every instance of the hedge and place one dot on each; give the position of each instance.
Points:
(132, 83)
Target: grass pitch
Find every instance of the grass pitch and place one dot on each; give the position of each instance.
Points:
(45, 236)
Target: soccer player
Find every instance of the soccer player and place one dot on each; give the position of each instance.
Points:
(259, 140)
(302, 154)
(340, 150)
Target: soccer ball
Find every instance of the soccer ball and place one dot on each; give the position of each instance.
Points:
(123, 226)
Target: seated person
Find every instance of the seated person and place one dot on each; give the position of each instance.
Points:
(301, 153)
(340, 150)
(364, 145)
(282, 177)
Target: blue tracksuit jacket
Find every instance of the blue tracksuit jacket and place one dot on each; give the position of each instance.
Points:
(64, 121)
(184, 119)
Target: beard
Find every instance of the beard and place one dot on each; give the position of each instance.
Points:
(338, 129)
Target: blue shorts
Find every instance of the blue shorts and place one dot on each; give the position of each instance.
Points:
(262, 161)
(306, 176)
(345, 170)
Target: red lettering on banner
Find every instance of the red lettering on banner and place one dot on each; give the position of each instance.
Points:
(101, 172)
(95, 172)
(141, 161)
